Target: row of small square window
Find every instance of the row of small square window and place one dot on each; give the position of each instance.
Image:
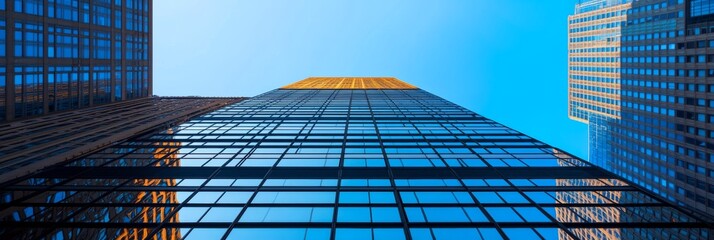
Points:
(582, 16)
(670, 46)
(699, 73)
(612, 25)
(671, 59)
(70, 9)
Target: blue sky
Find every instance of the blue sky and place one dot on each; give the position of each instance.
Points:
(504, 59)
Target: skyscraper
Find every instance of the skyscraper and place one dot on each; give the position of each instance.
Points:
(594, 59)
(335, 158)
(665, 139)
(61, 55)
(594, 69)
(662, 135)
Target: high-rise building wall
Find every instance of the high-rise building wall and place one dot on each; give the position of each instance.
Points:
(665, 139)
(335, 159)
(59, 55)
(662, 136)
(39, 142)
(594, 59)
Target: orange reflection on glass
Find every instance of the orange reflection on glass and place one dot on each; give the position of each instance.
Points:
(587, 214)
(166, 153)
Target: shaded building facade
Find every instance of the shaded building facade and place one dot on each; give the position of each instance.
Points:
(664, 141)
(32, 144)
(61, 55)
(164, 155)
(662, 136)
(336, 158)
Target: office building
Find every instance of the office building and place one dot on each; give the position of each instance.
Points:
(594, 59)
(661, 136)
(665, 138)
(334, 158)
(594, 33)
(35, 143)
(60, 55)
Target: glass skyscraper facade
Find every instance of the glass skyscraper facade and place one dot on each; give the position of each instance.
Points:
(336, 158)
(58, 55)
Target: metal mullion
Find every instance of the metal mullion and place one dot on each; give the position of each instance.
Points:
(65, 114)
(10, 61)
(123, 62)
(76, 125)
(175, 118)
(133, 219)
(511, 184)
(44, 62)
(208, 178)
(35, 225)
(83, 209)
(536, 205)
(573, 188)
(473, 197)
(333, 229)
(397, 196)
(48, 188)
(267, 174)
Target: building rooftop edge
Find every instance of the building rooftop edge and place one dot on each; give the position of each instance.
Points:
(349, 83)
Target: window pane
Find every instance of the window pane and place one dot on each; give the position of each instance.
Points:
(353, 214)
(295, 197)
(221, 214)
(279, 234)
(385, 214)
(353, 234)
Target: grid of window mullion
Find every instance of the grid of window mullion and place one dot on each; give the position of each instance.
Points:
(48, 188)
(400, 204)
(90, 205)
(536, 205)
(249, 203)
(481, 206)
(340, 168)
(265, 178)
(174, 212)
(389, 111)
(456, 175)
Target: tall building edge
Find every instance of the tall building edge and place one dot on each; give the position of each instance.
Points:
(594, 58)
